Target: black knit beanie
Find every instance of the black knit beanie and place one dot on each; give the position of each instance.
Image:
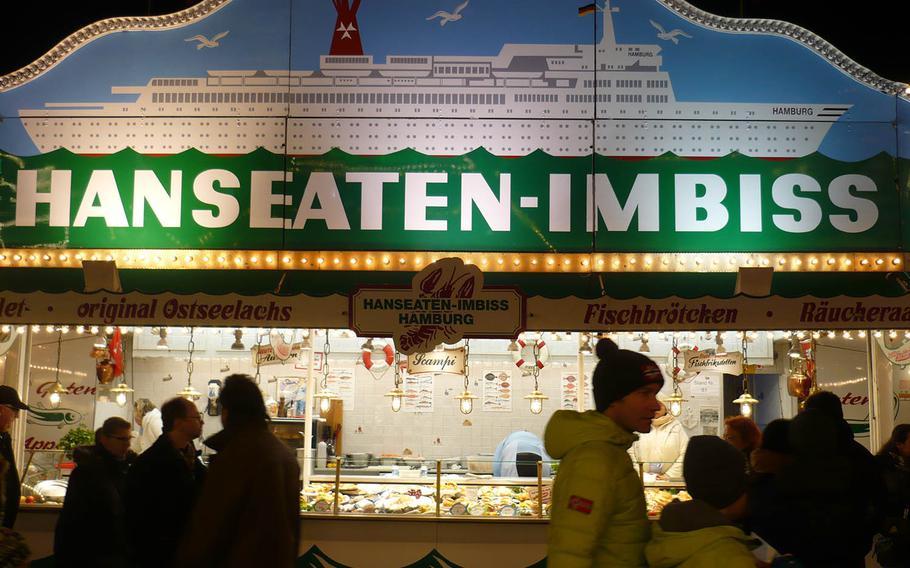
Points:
(621, 372)
(714, 470)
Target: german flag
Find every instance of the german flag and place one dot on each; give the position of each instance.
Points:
(587, 9)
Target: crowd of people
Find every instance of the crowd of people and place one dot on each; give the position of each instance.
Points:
(803, 493)
(800, 494)
(164, 508)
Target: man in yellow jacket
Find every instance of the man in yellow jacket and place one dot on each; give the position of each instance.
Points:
(598, 516)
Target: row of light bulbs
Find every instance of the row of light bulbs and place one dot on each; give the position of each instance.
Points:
(108, 329)
(753, 335)
(632, 336)
(491, 262)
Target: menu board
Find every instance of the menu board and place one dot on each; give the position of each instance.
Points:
(497, 391)
(341, 382)
(701, 413)
(569, 391)
(418, 393)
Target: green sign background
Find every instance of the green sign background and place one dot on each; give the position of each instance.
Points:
(530, 229)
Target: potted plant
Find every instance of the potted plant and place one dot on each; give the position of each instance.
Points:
(78, 436)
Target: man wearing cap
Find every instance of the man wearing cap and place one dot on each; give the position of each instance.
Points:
(701, 532)
(598, 515)
(10, 405)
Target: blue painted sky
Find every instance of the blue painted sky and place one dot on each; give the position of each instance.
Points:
(278, 34)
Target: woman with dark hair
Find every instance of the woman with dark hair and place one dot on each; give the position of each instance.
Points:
(894, 459)
(743, 434)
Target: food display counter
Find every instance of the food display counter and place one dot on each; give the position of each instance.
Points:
(442, 495)
(409, 492)
(400, 492)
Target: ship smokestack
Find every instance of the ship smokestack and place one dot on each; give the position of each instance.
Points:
(609, 37)
(346, 37)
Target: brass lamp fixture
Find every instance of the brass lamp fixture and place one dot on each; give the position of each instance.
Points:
(800, 381)
(120, 392)
(162, 339)
(746, 401)
(675, 401)
(188, 392)
(584, 340)
(325, 396)
(794, 352)
(645, 348)
(536, 398)
(238, 340)
(719, 348)
(58, 390)
(396, 394)
(466, 399)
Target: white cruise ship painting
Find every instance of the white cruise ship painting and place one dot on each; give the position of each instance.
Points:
(564, 99)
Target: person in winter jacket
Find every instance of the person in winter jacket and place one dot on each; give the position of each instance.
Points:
(249, 511)
(598, 516)
(661, 451)
(517, 456)
(700, 533)
(894, 460)
(162, 486)
(91, 529)
(148, 418)
(820, 497)
(768, 511)
(865, 494)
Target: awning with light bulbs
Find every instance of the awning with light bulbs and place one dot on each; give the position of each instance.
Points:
(593, 301)
(653, 285)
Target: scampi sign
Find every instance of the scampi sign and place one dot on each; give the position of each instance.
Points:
(451, 361)
(474, 202)
(446, 301)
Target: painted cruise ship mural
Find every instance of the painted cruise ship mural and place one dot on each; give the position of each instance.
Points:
(564, 99)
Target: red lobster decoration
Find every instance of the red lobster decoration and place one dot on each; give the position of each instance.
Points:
(440, 282)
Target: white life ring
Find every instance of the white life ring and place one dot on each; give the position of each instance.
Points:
(281, 347)
(386, 356)
(524, 357)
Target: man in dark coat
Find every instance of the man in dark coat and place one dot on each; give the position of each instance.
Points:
(867, 493)
(162, 486)
(10, 405)
(249, 510)
(91, 529)
(826, 502)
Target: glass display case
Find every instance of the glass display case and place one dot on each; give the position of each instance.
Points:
(429, 489)
(45, 477)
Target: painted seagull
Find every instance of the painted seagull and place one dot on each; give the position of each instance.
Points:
(206, 42)
(671, 35)
(445, 17)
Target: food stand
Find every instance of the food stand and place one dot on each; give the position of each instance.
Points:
(299, 197)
